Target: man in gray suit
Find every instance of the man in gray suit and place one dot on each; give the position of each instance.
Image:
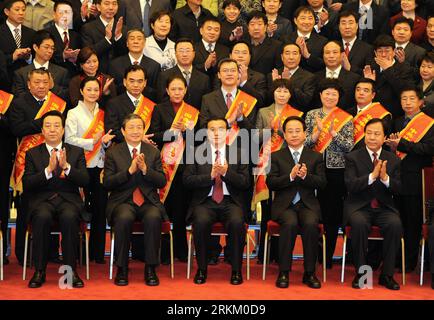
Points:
(43, 45)
(136, 13)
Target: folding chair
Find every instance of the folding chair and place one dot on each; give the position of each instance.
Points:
(55, 230)
(138, 229)
(375, 234)
(273, 229)
(217, 229)
(427, 198)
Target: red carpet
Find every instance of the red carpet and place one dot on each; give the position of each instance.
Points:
(217, 287)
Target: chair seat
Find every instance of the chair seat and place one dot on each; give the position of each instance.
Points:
(375, 232)
(425, 231)
(273, 228)
(56, 228)
(138, 227)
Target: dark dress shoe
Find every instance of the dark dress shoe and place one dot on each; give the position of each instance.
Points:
(37, 280)
(236, 278)
(311, 280)
(213, 261)
(200, 277)
(388, 282)
(355, 283)
(165, 262)
(151, 278)
(283, 279)
(121, 278)
(76, 281)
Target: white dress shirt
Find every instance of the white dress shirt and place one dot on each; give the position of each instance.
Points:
(77, 123)
(39, 66)
(350, 43)
(370, 180)
(336, 72)
(50, 150)
(134, 60)
(222, 151)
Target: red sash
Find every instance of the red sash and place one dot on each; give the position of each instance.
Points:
(375, 110)
(96, 126)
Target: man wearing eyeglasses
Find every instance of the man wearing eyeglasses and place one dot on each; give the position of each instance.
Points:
(43, 45)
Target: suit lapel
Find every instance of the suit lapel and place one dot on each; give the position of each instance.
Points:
(353, 50)
(135, 4)
(220, 102)
(366, 160)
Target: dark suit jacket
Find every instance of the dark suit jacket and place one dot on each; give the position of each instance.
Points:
(117, 68)
(348, 80)
(226, 30)
(419, 155)
(278, 180)
(361, 54)
(413, 56)
(266, 56)
(22, 113)
(60, 76)
(389, 84)
(380, 20)
(115, 112)
(256, 85)
(93, 35)
(8, 46)
(4, 76)
(201, 54)
(284, 27)
(40, 189)
(198, 87)
(303, 85)
(428, 95)
(197, 177)
(133, 14)
(121, 185)
(315, 45)
(74, 43)
(358, 166)
(214, 105)
(186, 25)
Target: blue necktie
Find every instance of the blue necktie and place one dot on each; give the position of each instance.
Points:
(297, 195)
(146, 28)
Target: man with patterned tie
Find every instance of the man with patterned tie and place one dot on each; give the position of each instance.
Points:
(372, 178)
(296, 172)
(219, 195)
(133, 173)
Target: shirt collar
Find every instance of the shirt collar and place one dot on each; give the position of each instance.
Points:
(292, 71)
(363, 108)
(404, 45)
(304, 36)
(133, 99)
(368, 5)
(189, 69)
(61, 30)
(105, 23)
(222, 151)
(132, 59)
(206, 44)
(351, 42)
(86, 109)
(38, 66)
(12, 27)
(50, 148)
(371, 152)
(299, 150)
(234, 93)
(336, 71)
(37, 99)
(131, 148)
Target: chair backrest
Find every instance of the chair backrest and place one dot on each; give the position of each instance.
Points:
(427, 192)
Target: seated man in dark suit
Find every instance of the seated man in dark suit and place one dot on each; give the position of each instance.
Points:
(43, 45)
(358, 53)
(413, 135)
(310, 43)
(135, 80)
(372, 178)
(208, 52)
(296, 172)
(265, 50)
(198, 83)
(54, 172)
(66, 41)
(302, 82)
(135, 44)
(333, 54)
(218, 188)
(133, 173)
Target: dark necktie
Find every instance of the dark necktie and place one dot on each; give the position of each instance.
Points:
(406, 121)
(65, 39)
(146, 28)
(187, 76)
(228, 100)
(40, 103)
(297, 195)
(347, 49)
(217, 191)
(138, 198)
(374, 202)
